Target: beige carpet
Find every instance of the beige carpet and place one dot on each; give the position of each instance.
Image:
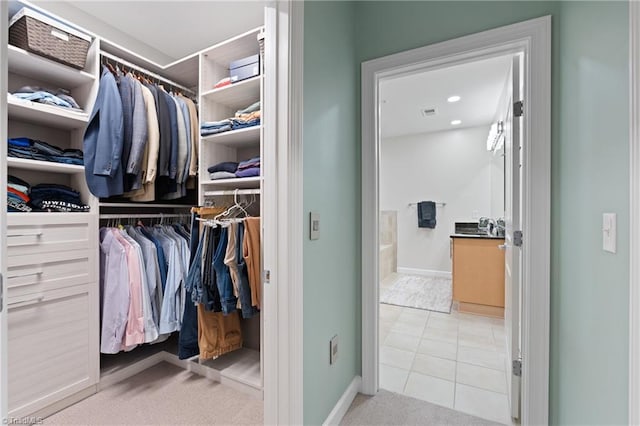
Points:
(163, 395)
(388, 408)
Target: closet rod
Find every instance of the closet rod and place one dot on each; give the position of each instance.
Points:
(437, 203)
(145, 71)
(232, 192)
(144, 205)
(142, 216)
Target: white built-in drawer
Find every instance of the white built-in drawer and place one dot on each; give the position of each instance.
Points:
(36, 273)
(51, 348)
(41, 234)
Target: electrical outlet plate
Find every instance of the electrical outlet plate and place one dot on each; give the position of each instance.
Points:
(333, 350)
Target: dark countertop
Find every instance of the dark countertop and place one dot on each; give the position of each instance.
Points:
(488, 237)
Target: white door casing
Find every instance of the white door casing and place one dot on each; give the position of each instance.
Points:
(634, 186)
(512, 224)
(283, 213)
(4, 410)
(533, 39)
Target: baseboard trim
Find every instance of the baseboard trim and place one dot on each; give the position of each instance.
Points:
(343, 404)
(425, 272)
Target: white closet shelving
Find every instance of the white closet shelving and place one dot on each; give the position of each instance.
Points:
(242, 366)
(53, 258)
(52, 266)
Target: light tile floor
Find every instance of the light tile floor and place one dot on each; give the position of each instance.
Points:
(455, 360)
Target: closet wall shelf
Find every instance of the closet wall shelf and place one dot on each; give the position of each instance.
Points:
(48, 115)
(30, 65)
(250, 182)
(235, 48)
(231, 192)
(240, 138)
(43, 166)
(237, 95)
(42, 216)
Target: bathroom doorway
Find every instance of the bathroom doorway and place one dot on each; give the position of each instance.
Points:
(442, 260)
(528, 41)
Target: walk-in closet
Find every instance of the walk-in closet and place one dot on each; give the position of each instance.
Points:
(114, 269)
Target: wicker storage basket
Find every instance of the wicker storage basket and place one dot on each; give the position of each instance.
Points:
(41, 35)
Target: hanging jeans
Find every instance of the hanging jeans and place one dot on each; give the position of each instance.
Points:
(210, 292)
(223, 277)
(188, 341)
(243, 279)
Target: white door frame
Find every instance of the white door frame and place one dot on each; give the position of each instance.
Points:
(4, 410)
(634, 186)
(532, 37)
(283, 355)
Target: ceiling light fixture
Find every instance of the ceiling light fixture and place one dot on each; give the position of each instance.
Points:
(456, 122)
(454, 98)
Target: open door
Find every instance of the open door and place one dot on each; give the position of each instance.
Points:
(4, 411)
(513, 234)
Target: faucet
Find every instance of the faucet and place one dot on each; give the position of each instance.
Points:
(492, 228)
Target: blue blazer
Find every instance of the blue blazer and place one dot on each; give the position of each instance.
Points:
(103, 141)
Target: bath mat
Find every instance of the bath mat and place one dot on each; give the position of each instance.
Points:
(421, 292)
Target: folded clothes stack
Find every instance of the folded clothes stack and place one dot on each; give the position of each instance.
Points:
(247, 117)
(58, 97)
(212, 127)
(17, 195)
(38, 150)
(224, 170)
(56, 198)
(230, 169)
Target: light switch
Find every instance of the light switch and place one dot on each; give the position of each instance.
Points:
(314, 225)
(609, 230)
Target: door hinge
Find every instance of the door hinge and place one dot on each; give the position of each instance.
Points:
(518, 109)
(517, 238)
(516, 367)
(1, 292)
(267, 276)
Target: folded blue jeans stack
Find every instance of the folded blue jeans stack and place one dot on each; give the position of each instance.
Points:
(33, 149)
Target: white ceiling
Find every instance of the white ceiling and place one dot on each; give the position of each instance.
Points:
(479, 84)
(177, 28)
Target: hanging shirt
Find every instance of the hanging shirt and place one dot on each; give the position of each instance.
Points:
(134, 334)
(115, 292)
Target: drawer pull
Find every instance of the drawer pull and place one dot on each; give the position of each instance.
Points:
(502, 246)
(27, 234)
(27, 302)
(25, 274)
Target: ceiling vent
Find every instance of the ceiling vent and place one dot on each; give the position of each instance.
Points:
(427, 112)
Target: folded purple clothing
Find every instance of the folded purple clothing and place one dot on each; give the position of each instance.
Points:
(253, 171)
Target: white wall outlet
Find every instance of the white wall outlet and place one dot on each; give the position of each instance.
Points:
(314, 226)
(333, 348)
(609, 230)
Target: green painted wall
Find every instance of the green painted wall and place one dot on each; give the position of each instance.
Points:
(590, 174)
(332, 188)
(589, 288)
